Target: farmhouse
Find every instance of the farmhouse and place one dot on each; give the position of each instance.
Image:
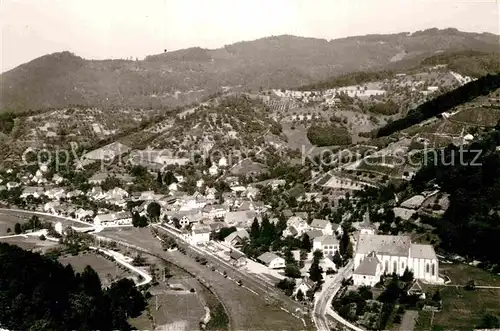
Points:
(272, 261)
(395, 254)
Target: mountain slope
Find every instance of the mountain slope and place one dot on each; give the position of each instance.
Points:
(189, 75)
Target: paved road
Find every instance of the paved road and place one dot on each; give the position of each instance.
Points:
(322, 304)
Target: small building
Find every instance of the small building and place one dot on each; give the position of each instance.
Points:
(213, 170)
(236, 238)
(200, 235)
(238, 259)
(272, 261)
(304, 285)
(323, 225)
(33, 191)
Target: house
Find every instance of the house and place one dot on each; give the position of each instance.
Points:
(98, 178)
(323, 225)
(368, 271)
(242, 218)
(199, 183)
(236, 238)
(213, 170)
(96, 193)
(57, 179)
(210, 193)
(74, 194)
(272, 261)
(275, 183)
(11, 185)
(238, 259)
(214, 211)
(33, 191)
(82, 214)
(397, 253)
(304, 285)
(296, 226)
(55, 193)
(200, 234)
(327, 244)
(173, 187)
(223, 162)
(120, 218)
(51, 207)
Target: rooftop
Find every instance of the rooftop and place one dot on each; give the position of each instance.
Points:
(368, 266)
(384, 244)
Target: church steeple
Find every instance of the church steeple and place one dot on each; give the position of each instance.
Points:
(366, 226)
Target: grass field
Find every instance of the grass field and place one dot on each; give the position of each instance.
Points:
(462, 309)
(106, 269)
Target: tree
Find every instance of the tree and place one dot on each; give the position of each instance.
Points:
(300, 295)
(306, 242)
(17, 228)
(315, 272)
(292, 271)
(159, 179)
(436, 297)
(337, 259)
(489, 321)
(254, 230)
(139, 221)
(154, 211)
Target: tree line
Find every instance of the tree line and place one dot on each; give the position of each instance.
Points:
(39, 293)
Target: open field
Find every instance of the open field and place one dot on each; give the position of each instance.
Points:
(107, 270)
(462, 309)
(30, 243)
(241, 305)
(460, 274)
(297, 137)
(170, 309)
(7, 221)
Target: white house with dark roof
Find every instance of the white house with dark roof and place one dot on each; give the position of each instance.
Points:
(296, 226)
(323, 225)
(200, 234)
(397, 253)
(272, 261)
(328, 244)
(33, 191)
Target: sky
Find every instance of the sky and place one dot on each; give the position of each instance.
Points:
(102, 29)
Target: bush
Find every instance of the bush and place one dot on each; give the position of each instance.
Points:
(42, 237)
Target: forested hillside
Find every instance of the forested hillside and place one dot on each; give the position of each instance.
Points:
(190, 75)
(444, 102)
(471, 224)
(37, 293)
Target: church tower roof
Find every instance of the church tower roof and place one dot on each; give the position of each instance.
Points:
(366, 224)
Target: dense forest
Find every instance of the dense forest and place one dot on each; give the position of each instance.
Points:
(471, 225)
(483, 86)
(38, 293)
(354, 78)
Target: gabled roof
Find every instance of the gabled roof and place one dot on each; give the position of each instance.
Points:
(314, 234)
(319, 223)
(327, 240)
(242, 234)
(268, 257)
(368, 266)
(235, 255)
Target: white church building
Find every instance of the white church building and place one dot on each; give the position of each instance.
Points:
(376, 255)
